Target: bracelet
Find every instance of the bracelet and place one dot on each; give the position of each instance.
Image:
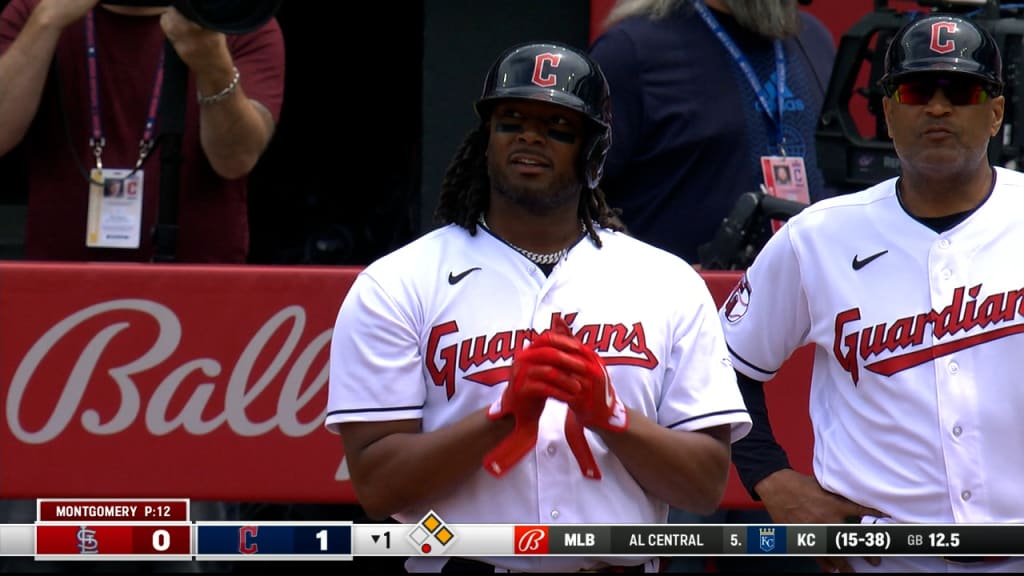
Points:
(213, 99)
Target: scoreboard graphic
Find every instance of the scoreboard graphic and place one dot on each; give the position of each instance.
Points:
(431, 535)
(161, 529)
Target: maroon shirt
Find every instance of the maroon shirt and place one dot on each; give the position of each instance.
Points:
(213, 221)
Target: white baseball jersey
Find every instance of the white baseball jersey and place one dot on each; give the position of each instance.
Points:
(916, 398)
(428, 332)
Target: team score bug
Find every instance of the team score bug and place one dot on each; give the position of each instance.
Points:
(321, 536)
(321, 540)
(176, 540)
(162, 511)
(325, 540)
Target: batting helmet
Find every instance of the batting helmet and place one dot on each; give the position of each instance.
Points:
(559, 74)
(943, 43)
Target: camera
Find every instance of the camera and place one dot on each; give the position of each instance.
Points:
(850, 160)
(227, 16)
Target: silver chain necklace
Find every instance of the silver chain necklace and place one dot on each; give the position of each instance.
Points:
(536, 258)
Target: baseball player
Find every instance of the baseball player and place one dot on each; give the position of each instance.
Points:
(528, 362)
(911, 294)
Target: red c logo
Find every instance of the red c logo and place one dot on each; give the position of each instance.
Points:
(244, 534)
(938, 44)
(542, 77)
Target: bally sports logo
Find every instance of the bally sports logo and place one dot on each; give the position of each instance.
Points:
(532, 539)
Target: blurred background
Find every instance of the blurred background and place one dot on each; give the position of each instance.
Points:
(368, 126)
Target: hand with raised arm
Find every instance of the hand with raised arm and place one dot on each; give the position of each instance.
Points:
(25, 64)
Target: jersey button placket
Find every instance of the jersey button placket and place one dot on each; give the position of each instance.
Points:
(553, 489)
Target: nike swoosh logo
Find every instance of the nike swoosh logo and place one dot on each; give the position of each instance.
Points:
(454, 279)
(858, 264)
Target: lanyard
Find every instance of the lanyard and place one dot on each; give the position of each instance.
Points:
(97, 141)
(748, 71)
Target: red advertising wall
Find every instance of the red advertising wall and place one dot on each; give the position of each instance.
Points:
(203, 382)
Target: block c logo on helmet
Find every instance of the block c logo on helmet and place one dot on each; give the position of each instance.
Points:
(545, 78)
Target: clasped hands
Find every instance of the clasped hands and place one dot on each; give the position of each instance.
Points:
(555, 365)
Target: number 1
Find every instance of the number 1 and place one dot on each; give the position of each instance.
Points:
(322, 537)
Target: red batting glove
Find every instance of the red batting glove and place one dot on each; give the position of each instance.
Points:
(577, 441)
(597, 405)
(574, 434)
(534, 378)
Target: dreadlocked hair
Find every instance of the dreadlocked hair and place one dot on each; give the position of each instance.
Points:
(466, 186)
(465, 191)
(594, 207)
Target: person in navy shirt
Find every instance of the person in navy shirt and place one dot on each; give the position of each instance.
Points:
(689, 124)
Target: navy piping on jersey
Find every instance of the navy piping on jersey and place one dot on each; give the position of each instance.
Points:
(748, 364)
(359, 410)
(708, 415)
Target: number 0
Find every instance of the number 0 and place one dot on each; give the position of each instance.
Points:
(161, 540)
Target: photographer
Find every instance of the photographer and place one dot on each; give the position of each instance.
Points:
(81, 88)
(81, 84)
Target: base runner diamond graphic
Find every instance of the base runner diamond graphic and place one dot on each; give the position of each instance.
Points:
(431, 535)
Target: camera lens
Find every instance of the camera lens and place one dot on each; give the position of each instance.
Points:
(229, 16)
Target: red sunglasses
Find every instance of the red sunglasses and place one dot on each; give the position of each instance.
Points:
(959, 91)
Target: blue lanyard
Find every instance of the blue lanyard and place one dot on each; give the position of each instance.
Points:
(748, 71)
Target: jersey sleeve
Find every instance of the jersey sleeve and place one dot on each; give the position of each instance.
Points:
(701, 389)
(375, 365)
(766, 316)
